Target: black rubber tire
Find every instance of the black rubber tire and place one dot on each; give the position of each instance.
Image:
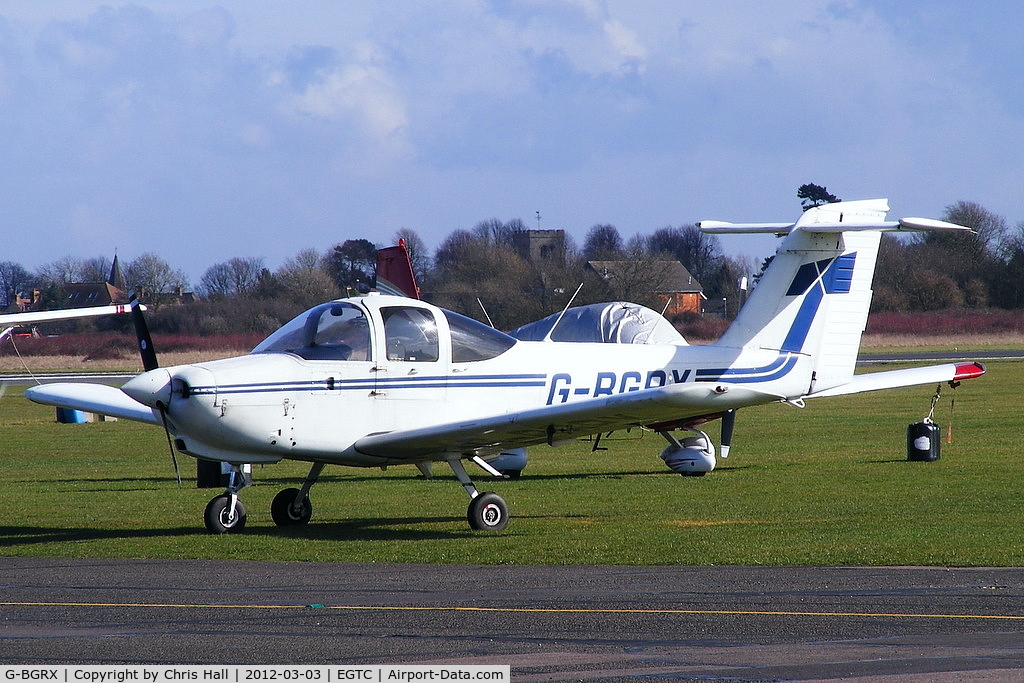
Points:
(487, 512)
(282, 512)
(216, 516)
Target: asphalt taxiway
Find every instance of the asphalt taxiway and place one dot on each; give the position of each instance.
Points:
(547, 623)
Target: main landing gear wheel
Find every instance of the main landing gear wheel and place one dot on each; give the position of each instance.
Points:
(487, 512)
(219, 518)
(284, 512)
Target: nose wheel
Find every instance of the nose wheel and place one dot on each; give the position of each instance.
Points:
(225, 514)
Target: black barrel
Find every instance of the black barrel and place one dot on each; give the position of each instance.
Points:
(923, 442)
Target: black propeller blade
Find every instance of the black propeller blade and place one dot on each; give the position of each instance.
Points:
(149, 362)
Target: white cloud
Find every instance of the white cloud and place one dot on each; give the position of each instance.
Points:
(362, 86)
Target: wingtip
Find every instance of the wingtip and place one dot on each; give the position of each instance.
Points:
(968, 370)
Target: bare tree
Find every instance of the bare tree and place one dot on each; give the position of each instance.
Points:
(497, 233)
(152, 277)
(990, 228)
(235, 277)
(14, 279)
(603, 242)
(305, 259)
(61, 272)
(96, 269)
(304, 280)
(700, 252)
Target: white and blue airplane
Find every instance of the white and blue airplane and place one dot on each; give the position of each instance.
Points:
(384, 380)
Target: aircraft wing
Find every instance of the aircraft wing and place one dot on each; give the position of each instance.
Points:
(892, 379)
(558, 423)
(65, 314)
(94, 398)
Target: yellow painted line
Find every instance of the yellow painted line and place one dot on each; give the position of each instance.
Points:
(527, 610)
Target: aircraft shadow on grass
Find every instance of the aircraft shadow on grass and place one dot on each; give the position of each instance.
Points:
(365, 529)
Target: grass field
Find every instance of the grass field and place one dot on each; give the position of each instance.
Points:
(826, 485)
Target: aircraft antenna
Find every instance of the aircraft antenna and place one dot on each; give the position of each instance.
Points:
(547, 337)
(485, 312)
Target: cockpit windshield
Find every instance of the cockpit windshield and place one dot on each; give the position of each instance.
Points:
(474, 341)
(332, 331)
(341, 331)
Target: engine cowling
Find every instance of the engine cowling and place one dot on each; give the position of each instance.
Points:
(695, 459)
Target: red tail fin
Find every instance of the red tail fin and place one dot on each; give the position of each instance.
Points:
(394, 272)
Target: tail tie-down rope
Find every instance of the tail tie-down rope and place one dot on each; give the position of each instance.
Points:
(952, 406)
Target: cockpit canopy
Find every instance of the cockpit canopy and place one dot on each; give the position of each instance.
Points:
(341, 331)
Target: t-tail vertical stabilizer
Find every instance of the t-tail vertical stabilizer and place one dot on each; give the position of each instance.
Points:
(394, 272)
(812, 302)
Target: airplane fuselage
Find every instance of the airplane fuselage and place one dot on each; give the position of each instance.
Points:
(272, 405)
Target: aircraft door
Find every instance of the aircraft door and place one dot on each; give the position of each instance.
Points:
(415, 363)
(336, 340)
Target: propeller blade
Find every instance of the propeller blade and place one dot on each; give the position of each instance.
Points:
(728, 423)
(149, 361)
(170, 446)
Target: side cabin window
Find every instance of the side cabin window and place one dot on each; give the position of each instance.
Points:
(410, 334)
(474, 341)
(333, 331)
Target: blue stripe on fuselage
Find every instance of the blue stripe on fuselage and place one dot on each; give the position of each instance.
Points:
(778, 368)
(369, 383)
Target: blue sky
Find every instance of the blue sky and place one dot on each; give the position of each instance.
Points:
(202, 131)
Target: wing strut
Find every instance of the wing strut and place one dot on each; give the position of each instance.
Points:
(460, 474)
(486, 467)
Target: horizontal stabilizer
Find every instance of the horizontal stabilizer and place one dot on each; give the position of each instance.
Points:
(902, 225)
(892, 379)
(721, 227)
(93, 398)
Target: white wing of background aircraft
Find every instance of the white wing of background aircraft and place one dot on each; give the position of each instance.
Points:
(12, 320)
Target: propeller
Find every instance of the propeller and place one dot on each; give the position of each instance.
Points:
(149, 362)
(728, 424)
